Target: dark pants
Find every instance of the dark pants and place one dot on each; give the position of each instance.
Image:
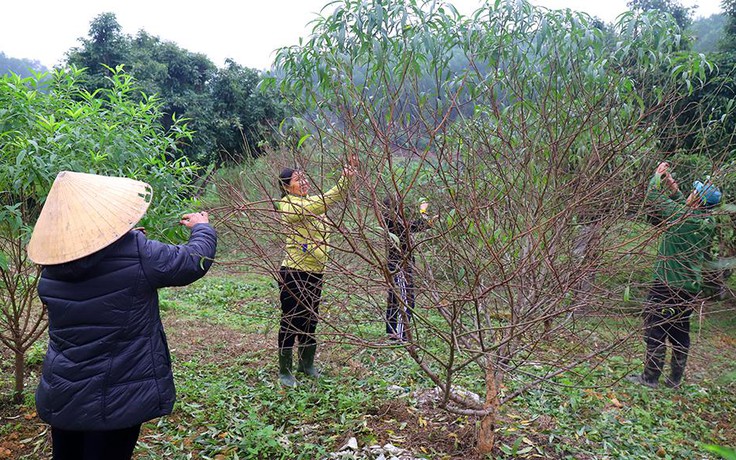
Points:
(400, 304)
(300, 295)
(94, 445)
(667, 319)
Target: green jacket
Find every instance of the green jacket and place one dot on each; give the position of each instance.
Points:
(686, 242)
(308, 234)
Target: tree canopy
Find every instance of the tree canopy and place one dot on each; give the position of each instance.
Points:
(231, 120)
(683, 15)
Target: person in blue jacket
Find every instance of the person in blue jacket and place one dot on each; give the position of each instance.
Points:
(107, 369)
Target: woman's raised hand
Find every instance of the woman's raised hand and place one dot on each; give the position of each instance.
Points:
(350, 169)
(664, 170)
(190, 220)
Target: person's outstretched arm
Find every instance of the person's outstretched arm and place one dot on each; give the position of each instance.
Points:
(179, 265)
(665, 201)
(299, 208)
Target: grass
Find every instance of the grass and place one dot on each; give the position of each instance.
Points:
(241, 413)
(229, 406)
(570, 421)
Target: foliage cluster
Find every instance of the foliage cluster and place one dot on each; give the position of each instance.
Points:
(681, 14)
(231, 118)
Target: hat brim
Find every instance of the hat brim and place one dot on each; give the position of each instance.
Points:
(84, 213)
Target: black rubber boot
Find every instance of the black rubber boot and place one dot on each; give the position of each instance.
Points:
(641, 379)
(286, 378)
(653, 364)
(677, 364)
(306, 360)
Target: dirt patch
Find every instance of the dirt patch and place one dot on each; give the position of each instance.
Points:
(423, 431)
(22, 433)
(195, 339)
(27, 436)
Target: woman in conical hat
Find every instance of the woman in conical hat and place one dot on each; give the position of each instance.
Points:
(107, 369)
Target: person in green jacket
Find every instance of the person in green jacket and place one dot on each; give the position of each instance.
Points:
(678, 279)
(301, 272)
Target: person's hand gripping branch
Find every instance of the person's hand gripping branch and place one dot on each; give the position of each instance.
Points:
(351, 168)
(190, 220)
(663, 170)
(423, 211)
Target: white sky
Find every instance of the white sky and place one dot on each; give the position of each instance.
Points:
(247, 31)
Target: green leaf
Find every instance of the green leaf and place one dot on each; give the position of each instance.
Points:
(725, 452)
(395, 239)
(302, 139)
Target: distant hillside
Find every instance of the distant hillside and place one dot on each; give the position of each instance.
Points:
(707, 32)
(19, 66)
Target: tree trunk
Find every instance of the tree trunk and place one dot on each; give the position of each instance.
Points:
(19, 370)
(486, 432)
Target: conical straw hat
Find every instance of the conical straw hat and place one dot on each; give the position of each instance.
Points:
(84, 213)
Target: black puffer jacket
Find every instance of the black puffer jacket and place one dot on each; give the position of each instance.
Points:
(108, 365)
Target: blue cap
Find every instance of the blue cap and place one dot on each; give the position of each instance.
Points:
(708, 192)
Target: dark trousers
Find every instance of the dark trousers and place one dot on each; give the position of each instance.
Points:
(94, 445)
(300, 295)
(400, 304)
(667, 318)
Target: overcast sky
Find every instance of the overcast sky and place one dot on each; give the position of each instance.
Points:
(247, 31)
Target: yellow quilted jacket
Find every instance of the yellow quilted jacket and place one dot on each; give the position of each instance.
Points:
(307, 240)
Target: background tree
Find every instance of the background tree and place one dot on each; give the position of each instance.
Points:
(246, 117)
(683, 15)
(229, 118)
(180, 78)
(22, 67)
(729, 9)
(707, 33)
(105, 48)
(50, 125)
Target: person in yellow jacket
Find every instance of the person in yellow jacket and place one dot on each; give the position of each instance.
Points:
(300, 275)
